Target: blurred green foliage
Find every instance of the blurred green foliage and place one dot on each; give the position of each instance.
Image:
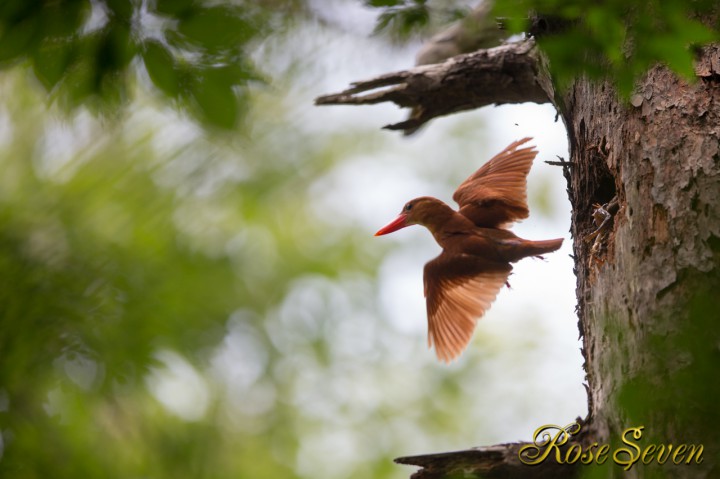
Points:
(402, 19)
(89, 52)
(198, 54)
(173, 304)
(686, 360)
(111, 252)
(618, 40)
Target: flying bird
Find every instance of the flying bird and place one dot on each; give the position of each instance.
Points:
(463, 281)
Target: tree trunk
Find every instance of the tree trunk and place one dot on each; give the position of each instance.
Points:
(649, 285)
(644, 181)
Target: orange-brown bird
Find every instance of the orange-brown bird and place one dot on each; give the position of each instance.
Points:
(462, 283)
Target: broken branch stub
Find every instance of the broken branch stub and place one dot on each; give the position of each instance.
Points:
(509, 73)
(492, 462)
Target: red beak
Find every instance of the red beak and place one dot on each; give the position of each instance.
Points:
(396, 224)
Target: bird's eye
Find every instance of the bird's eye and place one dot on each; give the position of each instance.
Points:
(408, 207)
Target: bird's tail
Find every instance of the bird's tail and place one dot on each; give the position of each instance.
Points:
(516, 249)
(535, 248)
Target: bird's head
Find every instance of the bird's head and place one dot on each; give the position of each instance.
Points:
(420, 211)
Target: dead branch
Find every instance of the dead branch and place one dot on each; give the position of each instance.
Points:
(492, 462)
(510, 73)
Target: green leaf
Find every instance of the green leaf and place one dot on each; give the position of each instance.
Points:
(122, 9)
(216, 27)
(63, 19)
(692, 32)
(13, 10)
(383, 3)
(161, 67)
(676, 55)
(116, 47)
(18, 38)
(174, 7)
(608, 31)
(51, 61)
(81, 78)
(403, 21)
(214, 98)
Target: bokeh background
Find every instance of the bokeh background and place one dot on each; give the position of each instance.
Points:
(182, 302)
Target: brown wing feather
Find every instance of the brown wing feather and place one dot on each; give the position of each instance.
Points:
(496, 194)
(458, 290)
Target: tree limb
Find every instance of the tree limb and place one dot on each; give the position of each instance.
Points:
(510, 73)
(493, 462)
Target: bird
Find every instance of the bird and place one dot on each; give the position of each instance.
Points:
(477, 246)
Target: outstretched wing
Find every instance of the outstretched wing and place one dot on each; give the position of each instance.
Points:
(458, 291)
(496, 194)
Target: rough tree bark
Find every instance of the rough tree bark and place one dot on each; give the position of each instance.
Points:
(648, 279)
(645, 287)
(505, 74)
